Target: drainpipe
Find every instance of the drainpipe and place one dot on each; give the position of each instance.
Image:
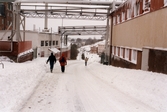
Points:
(110, 41)
(107, 43)
(111, 34)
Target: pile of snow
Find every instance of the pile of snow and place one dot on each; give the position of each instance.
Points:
(146, 87)
(26, 52)
(17, 80)
(5, 58)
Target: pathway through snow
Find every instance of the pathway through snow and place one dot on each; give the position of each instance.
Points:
(80, 89)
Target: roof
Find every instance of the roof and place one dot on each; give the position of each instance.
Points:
(54, 50)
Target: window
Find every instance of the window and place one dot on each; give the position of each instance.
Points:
(146, 5)
(56, 42)
(118, 18)
(46, 43)
(128, 13)
(53, 42)
(134, 56)
(121, 52)
(137, 9)
(116, 51)
(42, 43)
(165, 2)
(123, 16)
(113, 50)
(127, 54)
(50, 42)
(9, 6)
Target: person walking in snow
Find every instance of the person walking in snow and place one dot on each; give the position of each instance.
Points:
(63, 62)
(52, 60)
(86, 61)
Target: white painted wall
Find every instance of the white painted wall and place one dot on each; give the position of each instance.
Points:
(36, 39)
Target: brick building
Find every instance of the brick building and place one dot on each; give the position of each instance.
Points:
(139, 36)
(94, 49)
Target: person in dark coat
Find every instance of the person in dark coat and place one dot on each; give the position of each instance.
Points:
(52, 60)
(63, 62)
(86, 60)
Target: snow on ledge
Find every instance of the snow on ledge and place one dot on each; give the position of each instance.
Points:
(26, 52)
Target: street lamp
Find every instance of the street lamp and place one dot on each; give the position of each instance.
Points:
(62, 41)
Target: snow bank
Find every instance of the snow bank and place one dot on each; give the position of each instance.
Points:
(17, 81)
(146, 87)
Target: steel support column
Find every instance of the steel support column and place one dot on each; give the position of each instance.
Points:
(17, 28)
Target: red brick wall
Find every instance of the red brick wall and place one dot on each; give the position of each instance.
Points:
(156, 4)
(17, 47)
(24, 46)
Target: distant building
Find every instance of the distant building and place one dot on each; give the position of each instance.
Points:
(94, 49)
(139, 37)
(6, 14)
(101, 48)
(39, 42)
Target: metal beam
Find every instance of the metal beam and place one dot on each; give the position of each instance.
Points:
(82, 30)
(7, 0)
(65, 12)
(67, 9)
(76, 2)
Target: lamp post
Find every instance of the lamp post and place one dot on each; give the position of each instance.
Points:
(62, 41)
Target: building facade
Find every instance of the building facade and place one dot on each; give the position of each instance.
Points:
(138, 38)
(39, 42)
(94, 49)
(6, 14)
(101, 48)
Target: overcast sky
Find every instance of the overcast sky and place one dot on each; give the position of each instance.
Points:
(54, 23)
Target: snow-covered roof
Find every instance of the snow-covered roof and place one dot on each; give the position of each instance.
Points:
(54, 50)
(25, 52)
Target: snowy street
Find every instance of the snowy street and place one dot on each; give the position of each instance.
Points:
(92, 88)
(80, 89)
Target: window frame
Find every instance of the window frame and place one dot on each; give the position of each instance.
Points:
(42, 43)
(46, 43)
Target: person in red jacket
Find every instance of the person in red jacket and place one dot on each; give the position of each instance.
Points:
(63, 62)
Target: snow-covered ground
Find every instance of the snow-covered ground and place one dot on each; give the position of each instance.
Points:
(30, 87)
